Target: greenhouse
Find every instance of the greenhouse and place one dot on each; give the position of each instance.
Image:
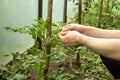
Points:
(59, 39)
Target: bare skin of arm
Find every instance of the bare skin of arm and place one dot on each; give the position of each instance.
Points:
(107, 47)
(92, 31)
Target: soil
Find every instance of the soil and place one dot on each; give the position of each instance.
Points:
(71, 66)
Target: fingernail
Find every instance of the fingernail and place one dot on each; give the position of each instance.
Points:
(63, 29)
(63, 33)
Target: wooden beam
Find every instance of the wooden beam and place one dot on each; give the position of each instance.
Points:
(80, 12)
(40, 3)
(100, 15)
(65, 12)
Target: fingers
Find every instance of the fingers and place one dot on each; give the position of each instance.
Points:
(69, 38)
(67, 27)
(68, 35)
(63, 33)
(71, 27)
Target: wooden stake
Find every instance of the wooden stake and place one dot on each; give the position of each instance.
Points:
(100, 15)
(40, 8)
(80, 12)
(80, 21)
(65, 12)
(49, 29)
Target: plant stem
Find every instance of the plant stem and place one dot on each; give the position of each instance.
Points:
(78, 59)
(107, 8)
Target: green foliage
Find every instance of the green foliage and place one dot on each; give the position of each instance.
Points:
(36, 30)
(91, 68)
(34, 57)
(17, 67)
(90, 14)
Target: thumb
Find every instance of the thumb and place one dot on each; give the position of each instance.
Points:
(63, 33)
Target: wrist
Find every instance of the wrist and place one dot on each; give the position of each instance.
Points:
(93, 32)
(83, 39)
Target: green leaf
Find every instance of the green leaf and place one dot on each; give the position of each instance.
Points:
(19, 77)
(60, 74)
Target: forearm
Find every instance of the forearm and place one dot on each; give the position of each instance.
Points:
(102, 33)
(107, 47)
(112, 33)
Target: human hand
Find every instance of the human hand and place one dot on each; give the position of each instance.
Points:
(86, 30)
(75, 27)
(70, 38)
